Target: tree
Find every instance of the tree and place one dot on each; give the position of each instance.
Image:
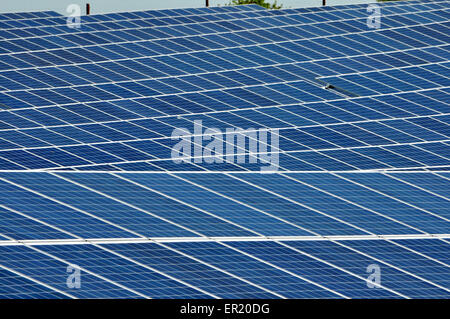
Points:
(262, 3)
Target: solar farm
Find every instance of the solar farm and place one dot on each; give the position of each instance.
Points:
(94, 204)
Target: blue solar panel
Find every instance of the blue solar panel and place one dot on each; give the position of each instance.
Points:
(89, 177)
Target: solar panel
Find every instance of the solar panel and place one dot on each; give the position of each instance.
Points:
(90, 118)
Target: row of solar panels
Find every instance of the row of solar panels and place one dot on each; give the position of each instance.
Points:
(387, 129)
(43, 49)
(27, 16)
(261, 269)
(353, 124)
(178, 16)
(145, 28)
(255, 86)
(67, 205)
(337, 59)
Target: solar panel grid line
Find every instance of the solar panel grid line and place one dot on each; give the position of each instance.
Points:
(165, 77)
(428, 169)
(379, 83)
(63, 293)
(226, 219)
(204, 91)
(238, 153)
(363, 156)
(446, 241)
(354, 203)
(318, 168)
(249, 137)
(325, 284)
(169, 37)
(393, 266)
(341, 269)
(15, 164)
(135, 81)
(65, 153)
(424, 127)
(40, 194)
(316, 165)
(232, 32)
(101, 241)
(394, 198)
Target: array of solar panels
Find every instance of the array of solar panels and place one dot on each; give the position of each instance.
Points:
(107, 96)
(87, 179)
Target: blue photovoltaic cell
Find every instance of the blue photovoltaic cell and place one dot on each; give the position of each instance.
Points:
(14, 286)
(252, 269)
(114, 268)
(24, 260)
(190, 270)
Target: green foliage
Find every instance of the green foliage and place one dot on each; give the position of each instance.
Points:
(262, 3)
